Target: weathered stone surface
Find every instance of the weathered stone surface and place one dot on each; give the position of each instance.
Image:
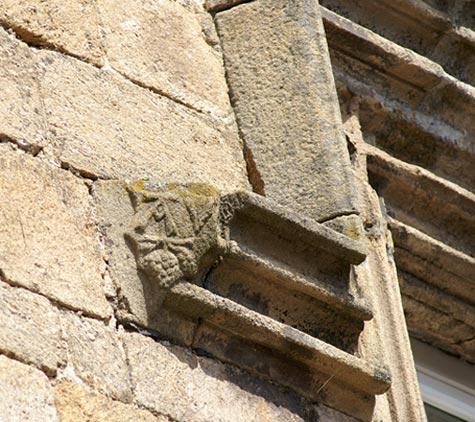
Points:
(284, 95)
(71, 26)
(174, 235)
(140, 297)
(172, 381)
(440, 35)
(95, 119)
(405, 82)
(25, 394)
(22, 113)
(30, 329)
(162, 45)
(173, 228)
(77, 403)
(433, 261)
(385, 337)
(115, 210)
(48, 243)
(149, 135)
(426, 202)
(96, 355)
(434, 150)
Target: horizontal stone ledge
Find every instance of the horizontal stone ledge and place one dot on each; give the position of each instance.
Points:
(432, 326)
(418, 26)
(444, 301)
(428, 88)
(288, 279)
(404, 136)
(299, 228)
(451, 193)
(434, 261)
(434, 251)
(344, 368)
(404, 11)
(381, 53)
(420, 11)
(441, 209)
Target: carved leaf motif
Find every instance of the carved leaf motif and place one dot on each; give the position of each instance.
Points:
(171, 231)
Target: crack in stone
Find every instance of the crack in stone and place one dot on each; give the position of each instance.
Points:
(222, 5)
(25, 146)
(337, 215)
(33, 42)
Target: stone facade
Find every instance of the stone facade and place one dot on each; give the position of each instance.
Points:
(232, 210)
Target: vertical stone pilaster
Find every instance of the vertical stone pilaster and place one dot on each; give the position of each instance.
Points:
(283, 92)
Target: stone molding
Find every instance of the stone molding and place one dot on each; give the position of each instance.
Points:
(405, 80)
(263, 288)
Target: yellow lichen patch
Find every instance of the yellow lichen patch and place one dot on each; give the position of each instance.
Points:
(194, 193)
(353, 231)
(137, 185)
(199, 189)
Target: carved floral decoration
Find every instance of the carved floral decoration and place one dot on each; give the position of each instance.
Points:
(172, 229)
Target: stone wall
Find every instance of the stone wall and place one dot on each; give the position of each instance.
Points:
(138, 123)
(93, 91)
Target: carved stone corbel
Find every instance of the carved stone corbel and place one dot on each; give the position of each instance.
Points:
(172, 230)
(249, 282)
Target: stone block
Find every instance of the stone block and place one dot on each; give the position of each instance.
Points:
(96, 355)
(48, 243)
(127, 132)
(282, 87)
(22, 116)
(25, 394)
(162, 45)
(30, 329)
(173, 381)
(70, 26)
(75, 403)
(120, 122)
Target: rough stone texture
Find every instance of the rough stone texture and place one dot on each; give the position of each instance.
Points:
(96, 355)
(174, 227)
(77, 403)
(30, 329)
(426, 202)
(431, 33)
(139, 299)
(125, 36)
(149, 135)
(406, 81)
(172, 381)
(162, 45)
(115, 210)
(284, 95)
(48, 244)
(22, 113)
(181, 278)
(95, 119)
(25, 394)
(385, 337)
(71, 26)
